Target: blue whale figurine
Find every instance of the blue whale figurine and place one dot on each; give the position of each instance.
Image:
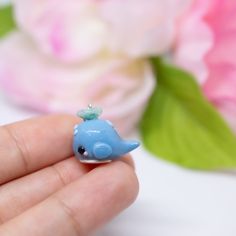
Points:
(96, 140)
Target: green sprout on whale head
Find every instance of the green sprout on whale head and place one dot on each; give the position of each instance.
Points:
(90, 113)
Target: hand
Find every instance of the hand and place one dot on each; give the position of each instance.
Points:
(45, 191)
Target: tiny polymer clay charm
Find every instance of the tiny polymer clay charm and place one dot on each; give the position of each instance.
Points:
(96, 140)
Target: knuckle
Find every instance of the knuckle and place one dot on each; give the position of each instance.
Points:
(70, 215)
(19, 145)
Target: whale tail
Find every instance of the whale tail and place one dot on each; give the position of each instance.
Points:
(130, 145)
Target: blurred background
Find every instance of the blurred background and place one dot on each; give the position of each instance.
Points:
(59, 56)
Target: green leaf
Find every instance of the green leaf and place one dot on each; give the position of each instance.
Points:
(7, 22)
(181, 126)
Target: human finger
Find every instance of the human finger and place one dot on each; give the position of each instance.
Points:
(20, 194)
(80, 207)
(32, 144)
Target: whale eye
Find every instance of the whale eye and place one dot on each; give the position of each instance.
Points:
(81, 150)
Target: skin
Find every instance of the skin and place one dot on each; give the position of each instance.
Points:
(44, 190)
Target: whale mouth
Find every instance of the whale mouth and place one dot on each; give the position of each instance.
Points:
(94, 161)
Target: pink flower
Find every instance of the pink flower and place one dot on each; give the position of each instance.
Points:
(119, 85)
(206, 46)
(77, 30)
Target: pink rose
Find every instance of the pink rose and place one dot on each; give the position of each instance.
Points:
(77, 30)
(119, 85)
(206, 46)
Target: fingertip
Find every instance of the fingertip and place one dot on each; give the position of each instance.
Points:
(125, 181)
(128, 160)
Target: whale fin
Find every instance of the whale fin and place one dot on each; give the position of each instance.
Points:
(130, 145)
(102, 150)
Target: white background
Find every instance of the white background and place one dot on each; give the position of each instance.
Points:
(172, 201)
